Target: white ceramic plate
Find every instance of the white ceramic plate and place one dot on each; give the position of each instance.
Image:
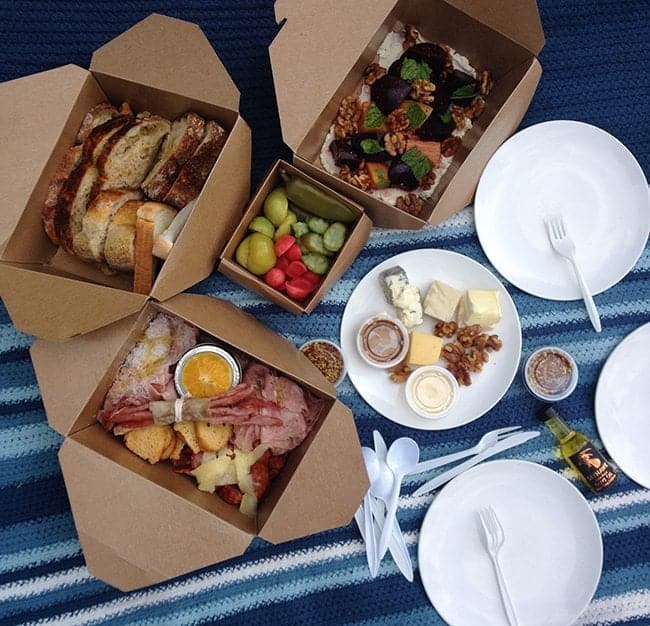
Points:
(623, 405)
(551, 558)
(574, 170)
(422, 268)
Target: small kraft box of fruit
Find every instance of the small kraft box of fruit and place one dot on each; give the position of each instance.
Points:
(296, 239)
(122, 182)
(399, 104)
(190, 429)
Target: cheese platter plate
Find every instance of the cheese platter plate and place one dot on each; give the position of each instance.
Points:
(386, 393)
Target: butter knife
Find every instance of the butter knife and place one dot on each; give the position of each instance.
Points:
(506, 444)
(397, 544)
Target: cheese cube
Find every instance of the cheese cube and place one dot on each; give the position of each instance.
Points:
(441, 301)
(479, 306)
(424, 349)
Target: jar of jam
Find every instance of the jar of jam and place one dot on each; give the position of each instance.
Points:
(383, 341)
(550, 374)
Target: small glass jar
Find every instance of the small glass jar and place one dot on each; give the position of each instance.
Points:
(227, 359)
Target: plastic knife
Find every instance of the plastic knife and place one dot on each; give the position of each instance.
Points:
(509, 442)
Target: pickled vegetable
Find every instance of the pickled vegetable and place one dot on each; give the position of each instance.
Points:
(314, 243)
(276, 206)
(316, 262)
(262, 225)
(299, 229)
(261, 255)
(317, 225)
(314, 200)
(334, 237)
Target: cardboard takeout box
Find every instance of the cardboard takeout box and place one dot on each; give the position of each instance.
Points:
(358, 233)
(140, 524)
(319, 55)
(161, 65)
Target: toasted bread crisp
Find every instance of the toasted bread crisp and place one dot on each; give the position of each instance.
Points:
(178, 448)
(212, 437)
(188, 433)
(150, 442)
(169, 450)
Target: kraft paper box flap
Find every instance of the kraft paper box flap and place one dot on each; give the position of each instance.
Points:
(35, 112)
(314, 51)
(68, 372)
(331, 470)
(57, 307)
(243, 331)
(173, 529)
(171, 55)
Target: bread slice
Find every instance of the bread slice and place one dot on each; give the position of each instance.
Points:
(100, 136)
(127, 156)
(119, 247)
(70, 160)
(143, 270)
(212, 437)
(99, 114)
(196, 170)
(187, 432)
(89, 243)
(149, 442)
(179, 145)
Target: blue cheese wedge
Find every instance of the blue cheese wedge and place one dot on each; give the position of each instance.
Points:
(409, 306)
(441, 301)
(479, 306)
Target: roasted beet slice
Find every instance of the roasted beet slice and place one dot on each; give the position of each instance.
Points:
(435, 56)
(389, 92)
(400, 175)
(458, 79)
(434, 129)
(345, 154)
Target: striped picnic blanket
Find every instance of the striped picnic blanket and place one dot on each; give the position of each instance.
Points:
(596, 67)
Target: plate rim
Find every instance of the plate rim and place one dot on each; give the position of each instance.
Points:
(599, 385)
(538, 466)
(433, 425)
(477, 196)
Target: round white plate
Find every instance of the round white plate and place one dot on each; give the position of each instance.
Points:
(551, 557)
(422, 268)
(622, 405)
(574, 170)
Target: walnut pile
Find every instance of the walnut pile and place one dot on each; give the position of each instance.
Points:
(397, 121)
(359, 179)
(400, 372)
(428, 181)
(486, 82)
(350, 117)
(395, 143)
(373, 73)
(450, 146)
(422, 90)
(410, 203)
(475, 109)
(470, 350)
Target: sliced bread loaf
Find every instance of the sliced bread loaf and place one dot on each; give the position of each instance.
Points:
(196, 170)
(89, 243)
(179, 145)
(119, 247)
(99, 114)
(128, 155)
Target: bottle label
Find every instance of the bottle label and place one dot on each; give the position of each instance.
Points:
(594, 467)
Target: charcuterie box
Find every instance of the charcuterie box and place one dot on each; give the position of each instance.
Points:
(161, 67)
(319, 56)
(140, 524)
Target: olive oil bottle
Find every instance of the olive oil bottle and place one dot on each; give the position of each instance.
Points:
(594, 469)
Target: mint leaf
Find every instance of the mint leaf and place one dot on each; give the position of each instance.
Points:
(374, 117)
(419, 164)
(412, 70)
(415, 115)
(445, 117)
(371, 146)
(466, 91)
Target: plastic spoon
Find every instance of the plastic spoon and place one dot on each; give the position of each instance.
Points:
(402, 457)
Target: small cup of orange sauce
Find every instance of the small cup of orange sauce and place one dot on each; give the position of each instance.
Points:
(205, 371)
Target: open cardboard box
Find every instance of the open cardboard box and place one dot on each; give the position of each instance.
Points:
(319, 55)
(140, 524)
(358, 233)
(162, 65)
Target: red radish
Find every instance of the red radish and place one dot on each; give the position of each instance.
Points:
(282, 263)
(296, 268)
(283, 244)
(275, 278)
(294, 253)
(312, 277)
(298, 288)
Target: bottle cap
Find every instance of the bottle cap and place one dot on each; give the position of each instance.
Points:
(547, 413)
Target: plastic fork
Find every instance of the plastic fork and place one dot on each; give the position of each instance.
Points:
(485, 442)
(564, 246)
(494, 538)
